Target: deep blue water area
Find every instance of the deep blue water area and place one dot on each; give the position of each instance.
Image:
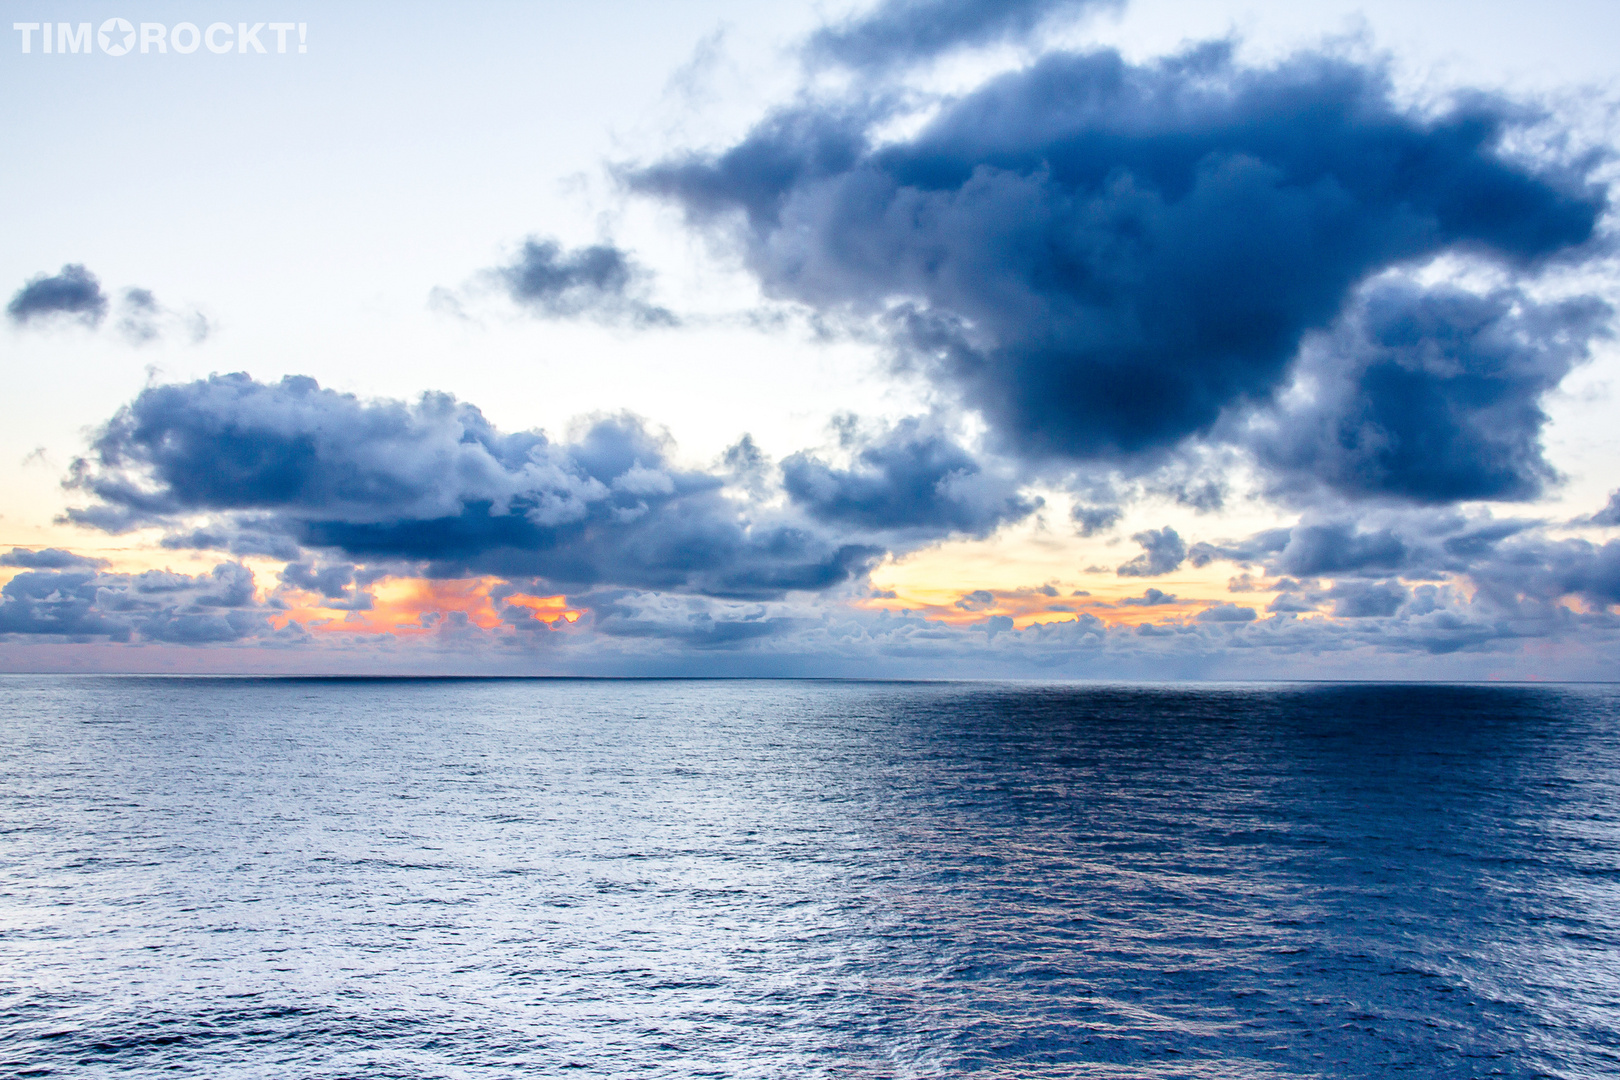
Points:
(462, 878)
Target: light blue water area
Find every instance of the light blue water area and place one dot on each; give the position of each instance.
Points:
(303, 878)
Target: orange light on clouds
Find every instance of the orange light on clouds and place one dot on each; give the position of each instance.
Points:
(1115, 602)
(1030, 607)
(400, 605)
(939, 583)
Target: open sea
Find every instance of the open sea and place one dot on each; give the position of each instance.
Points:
(300, 878)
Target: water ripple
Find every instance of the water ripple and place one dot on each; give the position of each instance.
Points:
(306, 878)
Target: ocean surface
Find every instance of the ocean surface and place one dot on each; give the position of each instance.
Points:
(438, 878)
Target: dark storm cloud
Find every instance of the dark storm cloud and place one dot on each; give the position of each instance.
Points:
(1431, 395)
(598, 281)
(908, 477)
(434, 483)
(158, 605)
(1163, 550)
(73, 292)
(897, 33)
(1103, 256)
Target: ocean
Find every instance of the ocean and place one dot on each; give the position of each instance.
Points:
(305, 878)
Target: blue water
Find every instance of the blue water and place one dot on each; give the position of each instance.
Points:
(283, 878)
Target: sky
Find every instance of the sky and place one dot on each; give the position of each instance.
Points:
(1059, 339)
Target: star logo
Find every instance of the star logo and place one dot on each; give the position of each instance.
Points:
(113, 26)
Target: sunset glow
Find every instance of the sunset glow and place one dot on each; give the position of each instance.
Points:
(410, 607)
(1037, 338)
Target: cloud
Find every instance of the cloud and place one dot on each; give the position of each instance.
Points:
(142, 320)
(1495, 624)
(1339, 547)
(1366, 599)
(72, 293)
(1519, 575)
(49, 559)
(75, 294)
(1609, 515)
(1103, 257)
(1092, 520)
(1163, 551)
(910, 476)
(82, 602)
(1206, 497)
(1413, 543)
(56, 602)
(599, 281)
(1226, 613)
(139, 323)
(1430, 395)
(1541, 571)
(332, 582)
(1243, 552)
(688, 622)
(897, 33)
(340, 585)
(293, 465)
(1150, 598)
